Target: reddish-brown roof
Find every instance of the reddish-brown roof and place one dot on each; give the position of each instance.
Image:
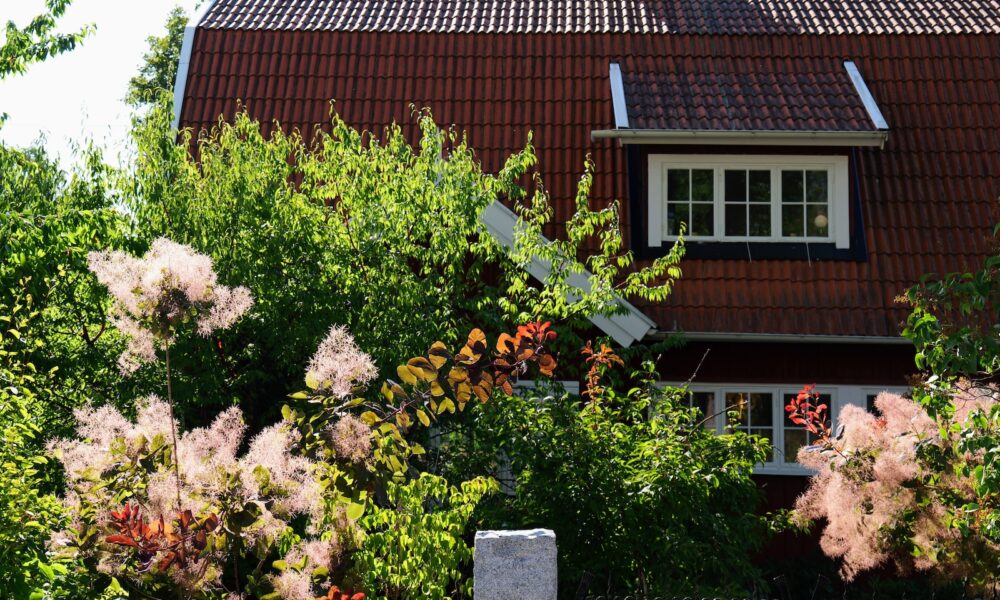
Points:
(927, 197)
(611, 16)
(734, 93)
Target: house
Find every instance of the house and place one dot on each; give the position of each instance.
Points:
(824, 155)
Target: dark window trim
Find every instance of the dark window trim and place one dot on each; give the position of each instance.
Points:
(636, 159)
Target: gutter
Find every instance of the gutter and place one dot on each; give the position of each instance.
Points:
(696, 336)
(742, 137)
(185, 61)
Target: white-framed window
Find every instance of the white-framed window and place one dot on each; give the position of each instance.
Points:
(768, 198)
(760, 409)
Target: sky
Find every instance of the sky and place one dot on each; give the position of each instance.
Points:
(79, 95)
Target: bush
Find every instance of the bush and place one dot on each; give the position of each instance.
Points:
(637, 490)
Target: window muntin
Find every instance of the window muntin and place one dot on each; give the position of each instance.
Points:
(690, 197)
(705, 403)
(805, 203)
(784, 435)
(753, 413)
(749, 198)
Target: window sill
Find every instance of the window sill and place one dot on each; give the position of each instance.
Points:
(760, 251)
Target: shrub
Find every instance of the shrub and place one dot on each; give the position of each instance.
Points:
(638, 491)
(894, 487)
(412, 550)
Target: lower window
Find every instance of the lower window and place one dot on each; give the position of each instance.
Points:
(760, 410)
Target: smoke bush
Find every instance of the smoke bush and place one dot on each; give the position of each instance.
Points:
(888, 487)
(171, 284)
(255, 495)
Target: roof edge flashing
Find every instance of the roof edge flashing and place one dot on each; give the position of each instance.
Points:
(874, 113)
(742, 137)
(180, 82)
(618, 96)
(625, 328)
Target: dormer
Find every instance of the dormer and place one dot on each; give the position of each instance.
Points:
(752, 158)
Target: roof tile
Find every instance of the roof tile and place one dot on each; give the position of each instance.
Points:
(609, 16)
(928, 197)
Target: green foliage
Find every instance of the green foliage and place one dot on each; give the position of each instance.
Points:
(29, 512)
(636, 489)
(51, 220)
(155, 80)
(367, 232)
(954, 327)
(414, 548)
(22, 46)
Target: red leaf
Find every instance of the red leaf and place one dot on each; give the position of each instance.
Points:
(121, 540)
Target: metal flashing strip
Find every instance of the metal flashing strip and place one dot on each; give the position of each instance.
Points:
(618, 97)
(742, 137)
(866, 96)
(185, 60)
(625, 329)
(695, 336)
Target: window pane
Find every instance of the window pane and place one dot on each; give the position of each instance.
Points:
(736, 219)
(760, 219)
(702, 185)
(826, 399)
(817, 221)
(736, 186)
(676, 214)
(737, 402)
(701, 219)
(816, 186)
(678, 184)
(794, 439)
(769, 434)
(870, 405)
(705, 403)
(761, 410)
(791, 186)
(760, 186)
(792, 224)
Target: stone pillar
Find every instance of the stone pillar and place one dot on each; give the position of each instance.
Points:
(515, 564)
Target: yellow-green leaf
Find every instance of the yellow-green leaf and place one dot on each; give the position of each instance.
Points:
(422, 368)
(406, 374)
(438, 354)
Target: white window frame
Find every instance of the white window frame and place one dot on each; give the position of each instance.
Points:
(837, 176)
(840, 396)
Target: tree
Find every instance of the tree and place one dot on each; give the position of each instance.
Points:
(38, 40)
(155, 81)
(367, 232)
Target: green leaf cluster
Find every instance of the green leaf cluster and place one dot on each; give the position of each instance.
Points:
(637, 490)
(415, 546)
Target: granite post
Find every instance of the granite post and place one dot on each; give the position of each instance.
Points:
(515, 564)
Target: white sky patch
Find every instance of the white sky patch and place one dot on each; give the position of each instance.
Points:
(79, 95)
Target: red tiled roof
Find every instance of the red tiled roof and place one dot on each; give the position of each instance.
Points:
(731, 93)
(609, 16)
(927, 196)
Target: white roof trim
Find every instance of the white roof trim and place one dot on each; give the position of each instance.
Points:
(742, 137)
(618, 97)
(698, 336)
(866, 96)
(625, 329)
(182, 67)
